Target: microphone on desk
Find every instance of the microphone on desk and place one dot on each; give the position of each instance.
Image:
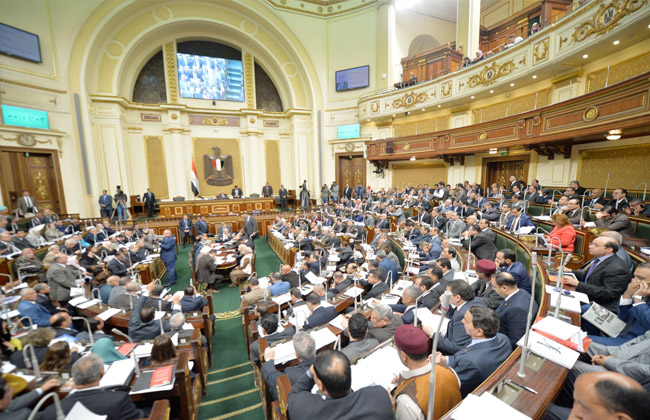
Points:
(444, 308)
(60, 415)
(525, 349)
(121, 334)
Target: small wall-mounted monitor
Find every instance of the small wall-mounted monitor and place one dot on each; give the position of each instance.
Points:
(17, 43)
(355, 78)
(351, 131)
(25, 117)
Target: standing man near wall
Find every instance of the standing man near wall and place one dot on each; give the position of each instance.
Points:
(106, 204)
(168, 255)
(149, 199)
(267, 190)
(284, 195)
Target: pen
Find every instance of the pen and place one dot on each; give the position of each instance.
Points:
(523, 386)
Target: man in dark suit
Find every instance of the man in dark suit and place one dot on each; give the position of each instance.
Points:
(462, 298)
(224, 233)
(619, 199)
(62, 324)
(383, 323)
(319, 315)
(154, 300)
(250, 226)
(604, 278)
(481, 242)
(513, 311)
(290, 276)
(43, 298)
(332, 374)
(485, 269)
(106, 204)
(201, 226)
(19, 408)
(284, 196)
(192, 302)
(168, 255)
(185, 230)
(615, 220)
(518, 220)
(377, 287)
(206, 271)
(119, 265)
(86, 373)
(305, 348)
(422, 216)
(506, 260)
(485, 352)
(347, 192)
(149, 199)
(143, 326)
(267, 190)
(237, 192)
(269, 325)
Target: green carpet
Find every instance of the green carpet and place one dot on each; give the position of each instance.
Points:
(231, 386)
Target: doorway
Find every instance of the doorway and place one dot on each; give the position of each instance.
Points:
(498, 170)
(34, 170)
(350, 169)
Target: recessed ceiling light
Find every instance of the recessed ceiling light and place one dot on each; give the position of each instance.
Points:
(368, 119)
(491, 91)
(512, 84)
(616, 42)
(585, 56)
(439, 105)
(408, 112)
(472, 96)
(394, 115)
(424, 109)
(613, 135)
(493, 151)
(412, 157)
(534, 76)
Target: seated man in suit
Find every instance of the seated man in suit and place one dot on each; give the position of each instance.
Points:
(383, 323)
(485, 352)
(604, 278)
(483, 289)
(62, 324)
(155, 300)
(506, 260)
(357, 327)
(481, 242)
(127, 300)
(43, 298)
(409, 296)
(615, 220)
(377, 287)
(256, 293)
(388, 265)
(86, 373)
(305, 348)
(19, 240)
(224, 233)
(575, 213)
(278, 286)
(462, 299)
(119, 265)
(143, 326)
(19, 408)
(412, 348)
(319, 315)
(332, 374)
(28, 306)
(191, 301)
(518, 220)
(632, 309)
(269, 327)
(513, 311)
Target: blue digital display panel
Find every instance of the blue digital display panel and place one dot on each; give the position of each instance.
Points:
(25, 117)
(351, 131)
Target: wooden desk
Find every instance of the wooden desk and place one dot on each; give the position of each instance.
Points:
(215, 207)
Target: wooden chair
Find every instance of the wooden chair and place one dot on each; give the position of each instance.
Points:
(284, 387)
(159, 411)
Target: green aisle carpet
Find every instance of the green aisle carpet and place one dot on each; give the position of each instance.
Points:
(231, 386)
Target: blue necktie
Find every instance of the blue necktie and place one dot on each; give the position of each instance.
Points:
(591, 268)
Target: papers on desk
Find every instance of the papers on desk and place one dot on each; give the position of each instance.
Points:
(164, 292)
(10, 299)
(560, 329)
(159, 315)
(399, 287)
(379, 368)
(337, 322)
(645, 250)
(389, 299)
(118, 374)
(143, 350)
(323, 337)
(427, 317)
(604, 320)
(88, 304)
(108, 313)
(284, 353)
(264, 282)
(551, 350)
(485, 407)
(10, 314)
(306, 289)
(525, 230)
(76, 291)
(76, 301)
(230, 259)
(334, 258)
(545, 218)
(590, 225)
(353, 292)
(300, 315)
(20, 286)
(314, 279)
(570, 302)
(288, 245)
(282, 299)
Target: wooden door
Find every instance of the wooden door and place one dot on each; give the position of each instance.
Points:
(350, 169)
(499, 170)
(36, 171)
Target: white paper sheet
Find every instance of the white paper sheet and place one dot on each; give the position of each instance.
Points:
(486, 407)
(558, 328)
(117, 374)
(427, 317)
(353, 292)
(551, 350)
(336, 322)
(568, 303)
(108, 313)
(88, 304)
(143, 350)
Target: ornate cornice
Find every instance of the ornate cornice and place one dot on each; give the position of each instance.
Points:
(324, 8)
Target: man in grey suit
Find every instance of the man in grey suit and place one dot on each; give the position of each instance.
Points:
(61, 277)
(462, 298)
(267, 190)
(26, 204)
(305, 348)
(455, 226)
(106, 204)
(357, 327)
(484, 353)
(481, 244)
(383, 323)
(250, 225)
(19, 408)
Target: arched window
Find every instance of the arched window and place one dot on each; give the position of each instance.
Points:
(150, 85)
(267, 97)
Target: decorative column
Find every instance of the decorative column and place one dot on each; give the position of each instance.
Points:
(468, 25)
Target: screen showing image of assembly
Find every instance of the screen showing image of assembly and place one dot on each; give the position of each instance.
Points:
(202, 77)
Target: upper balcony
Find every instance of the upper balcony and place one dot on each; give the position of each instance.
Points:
(553, 51)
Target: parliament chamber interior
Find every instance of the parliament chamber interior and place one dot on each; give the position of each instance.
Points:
(325, 209)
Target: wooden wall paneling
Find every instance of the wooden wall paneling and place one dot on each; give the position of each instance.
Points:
(499, 169)
(156, 166)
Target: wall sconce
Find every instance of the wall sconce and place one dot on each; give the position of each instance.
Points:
(613, 135)
(493, 151)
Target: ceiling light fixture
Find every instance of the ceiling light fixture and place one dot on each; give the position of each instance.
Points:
(613, 135)
(412, 157)
(585, 56)
(424, 109)
(534, 76)
(394, 115)
(472, 96)
(493, 151)
(439, 105)
(616, 42)
(512, 84)
(491, 90)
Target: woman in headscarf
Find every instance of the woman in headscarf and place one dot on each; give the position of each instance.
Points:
(479, 56)
(53, 252)
(105, 348)
(35, 238)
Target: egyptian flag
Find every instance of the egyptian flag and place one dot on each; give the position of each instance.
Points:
(194, 180)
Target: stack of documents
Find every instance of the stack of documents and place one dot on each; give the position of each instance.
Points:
(486, 407)
(379, 368)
